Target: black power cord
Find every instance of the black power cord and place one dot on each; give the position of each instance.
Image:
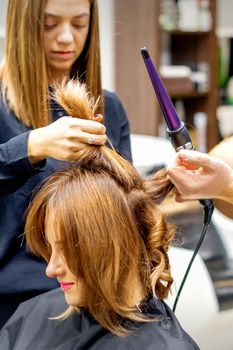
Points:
(208, 211)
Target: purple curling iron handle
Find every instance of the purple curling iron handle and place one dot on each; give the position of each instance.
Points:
(176, 129)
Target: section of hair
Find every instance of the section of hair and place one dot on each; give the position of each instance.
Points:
(75, 99)
(112, 231)
(24, 74)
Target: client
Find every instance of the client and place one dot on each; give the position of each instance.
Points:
(97, 225)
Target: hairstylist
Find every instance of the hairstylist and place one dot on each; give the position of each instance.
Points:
(46, 41)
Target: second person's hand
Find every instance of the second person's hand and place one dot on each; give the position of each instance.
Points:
(197, 175)
(64, 138)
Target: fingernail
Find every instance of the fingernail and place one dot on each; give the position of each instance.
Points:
(183, 154)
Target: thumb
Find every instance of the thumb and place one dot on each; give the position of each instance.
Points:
(197, 159)
(180, 199)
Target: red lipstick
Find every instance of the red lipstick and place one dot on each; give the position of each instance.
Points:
(66, 285)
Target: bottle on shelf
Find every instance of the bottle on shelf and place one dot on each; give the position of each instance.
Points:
(200, 124)
(194, 15)
(168, 18)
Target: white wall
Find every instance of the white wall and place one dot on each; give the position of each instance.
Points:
(106, 17)
(3, 6)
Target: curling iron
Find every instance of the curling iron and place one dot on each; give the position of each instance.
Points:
(176, 129)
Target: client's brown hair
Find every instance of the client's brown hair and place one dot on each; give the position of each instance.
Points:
(110, 226)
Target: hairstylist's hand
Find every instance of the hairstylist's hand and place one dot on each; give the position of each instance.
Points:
(197, 175)
(64, 137)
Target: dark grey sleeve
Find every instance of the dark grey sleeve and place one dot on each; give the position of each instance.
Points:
(125, 147)
(117, 124)
(15, 167)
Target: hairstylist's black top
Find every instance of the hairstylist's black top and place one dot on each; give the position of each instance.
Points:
(22, 276)
(30, 328)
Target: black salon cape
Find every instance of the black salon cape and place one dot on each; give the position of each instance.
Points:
(30, 329)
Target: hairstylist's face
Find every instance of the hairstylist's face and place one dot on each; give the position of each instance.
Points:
(65, 33)
(71, 285)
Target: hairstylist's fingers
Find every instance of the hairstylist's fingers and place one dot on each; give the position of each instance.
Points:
(178, 173)
(92, 139)
(89, 126)
(185, 164)
(183, 180)
(197, 159)
(179, 197)
(99, 118)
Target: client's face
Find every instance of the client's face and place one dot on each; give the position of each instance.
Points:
(58, 268)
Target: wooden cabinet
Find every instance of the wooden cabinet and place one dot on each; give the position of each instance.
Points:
(137, 25)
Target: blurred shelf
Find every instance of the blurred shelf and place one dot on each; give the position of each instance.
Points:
(185, 32)
(184, 94)
(175, 47)
(192, 49)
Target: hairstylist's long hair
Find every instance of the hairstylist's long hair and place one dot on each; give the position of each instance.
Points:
(24, 73)
(109, 224)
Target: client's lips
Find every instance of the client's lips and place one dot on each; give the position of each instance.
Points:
(66, 285)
